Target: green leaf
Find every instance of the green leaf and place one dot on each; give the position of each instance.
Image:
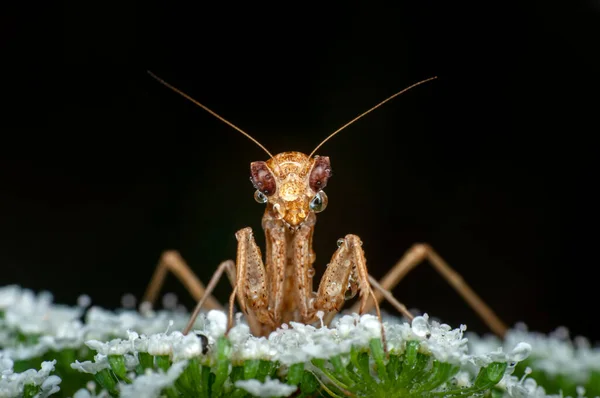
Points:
(146, 361)
(294, 376)
(377, 351)
(108, 381)
(222, 368)
(190, 381)
(490, 375)
(309, 383)
(251, 368)
(265, 368)
(206, 377)
(162, 362)
(117, 364)
(340, 371)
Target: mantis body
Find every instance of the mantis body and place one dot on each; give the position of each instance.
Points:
(280, 289)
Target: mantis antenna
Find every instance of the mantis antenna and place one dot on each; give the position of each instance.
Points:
(178, 91)
(369, 111)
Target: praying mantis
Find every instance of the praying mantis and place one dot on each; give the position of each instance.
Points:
(280, 288)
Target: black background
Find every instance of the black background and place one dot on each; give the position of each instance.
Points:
(103, 168)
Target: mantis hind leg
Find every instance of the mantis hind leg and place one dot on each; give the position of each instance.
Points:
(420, 253)
(171, 261)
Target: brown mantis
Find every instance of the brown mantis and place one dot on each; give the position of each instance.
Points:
(280, 290)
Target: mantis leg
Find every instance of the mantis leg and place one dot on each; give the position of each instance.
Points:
(254, 284)
(417, 255)
(345, 276)
(172, 261)
(227, 266)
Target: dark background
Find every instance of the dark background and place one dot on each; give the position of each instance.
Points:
(103, 168)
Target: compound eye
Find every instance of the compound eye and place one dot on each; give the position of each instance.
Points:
(320, 173)
(262, 178)
(260, 197)
(319, 202)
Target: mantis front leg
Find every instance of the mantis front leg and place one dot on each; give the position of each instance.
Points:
(250, 281)
(260, 289)
(345, 276)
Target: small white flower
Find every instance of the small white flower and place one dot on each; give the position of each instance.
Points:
(9, 295)
(463, 379)
(50, 386)
(150, 384)
(113, 347)
(84, 301)
(131, 361)
(100, 362)
(160, 344)
(270, 388)
(188, 347)
(216, 324)
(524, 388)
(82, 393)
(6, 364)
(86, 393)
(141, 343)
(520, 352)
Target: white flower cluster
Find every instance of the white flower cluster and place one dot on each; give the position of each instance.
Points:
(296, 343)
(59, 327)
(300, 343)
(555, 354)
(101, 324)
(176, 345)
(527, 387)
(148, 385)
(13, 384)
(128, 332)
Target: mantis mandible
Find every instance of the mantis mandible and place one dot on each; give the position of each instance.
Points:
(280, 289)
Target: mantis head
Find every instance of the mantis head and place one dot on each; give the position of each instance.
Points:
(291, 184)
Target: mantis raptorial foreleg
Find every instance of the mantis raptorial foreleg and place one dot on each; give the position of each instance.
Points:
(345, 276)
(255, 280)
(251, 280)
